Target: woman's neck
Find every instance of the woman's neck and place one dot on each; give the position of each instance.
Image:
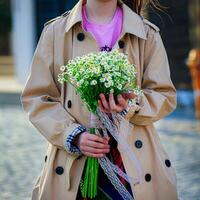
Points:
(101, 11)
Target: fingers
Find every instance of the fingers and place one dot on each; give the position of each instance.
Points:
(129, 95)
(97, 145)
(94, 145)
(122, 101)
(113, 106)
(102, 108)
(97, 138)
(95, 150)
(104, 102)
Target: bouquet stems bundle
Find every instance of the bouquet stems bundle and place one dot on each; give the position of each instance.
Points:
(92, 74)
(89, 184)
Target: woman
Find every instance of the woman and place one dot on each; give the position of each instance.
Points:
(60, 116)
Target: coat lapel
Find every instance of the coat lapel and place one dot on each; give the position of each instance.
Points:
(132, 22)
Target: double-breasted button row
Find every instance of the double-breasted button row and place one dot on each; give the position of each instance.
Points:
(148, 176)
(81, 37)
(138, 145)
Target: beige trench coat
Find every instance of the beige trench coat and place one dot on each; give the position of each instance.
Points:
(55, 109)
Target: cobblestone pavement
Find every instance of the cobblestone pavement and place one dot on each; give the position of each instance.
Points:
(22, 152)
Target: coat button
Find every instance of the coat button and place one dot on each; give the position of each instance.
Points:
(59, 170)
(121, 44)
(80, 36)
(45, 158)
(168, 163)
(148, 177)
(138, 144)
(69, 104)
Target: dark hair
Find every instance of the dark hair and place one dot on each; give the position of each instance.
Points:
(139, 5)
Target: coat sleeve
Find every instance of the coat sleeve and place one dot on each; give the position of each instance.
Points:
(41, 99)
(159, 97)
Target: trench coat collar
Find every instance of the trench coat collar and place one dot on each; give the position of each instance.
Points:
(132, 23)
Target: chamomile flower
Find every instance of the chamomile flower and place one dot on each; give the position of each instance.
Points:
(107, 85)
(62, 68)
(119, 86)
(93, 82)
(102, 79)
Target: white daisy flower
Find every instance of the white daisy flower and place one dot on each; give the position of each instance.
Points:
(62, 68)
(93, 82)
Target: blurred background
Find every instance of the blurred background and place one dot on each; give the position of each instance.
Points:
(22, 148)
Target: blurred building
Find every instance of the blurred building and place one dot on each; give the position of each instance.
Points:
(179, 23)
(21, 23)
(180, 29)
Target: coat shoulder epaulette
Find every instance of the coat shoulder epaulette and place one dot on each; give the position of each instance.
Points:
(52, 20)
(66, 13)
(56, 18)
(156, 28)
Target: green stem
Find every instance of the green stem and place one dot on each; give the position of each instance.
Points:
(91, 175)
(95, 176)
(85, 182)
(92, 179)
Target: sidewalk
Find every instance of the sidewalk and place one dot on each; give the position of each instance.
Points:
(182, 142)
(10, 90)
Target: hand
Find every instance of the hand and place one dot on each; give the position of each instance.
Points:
(112, 106)
(92, 145)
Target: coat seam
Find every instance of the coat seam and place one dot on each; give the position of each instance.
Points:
(53, 38)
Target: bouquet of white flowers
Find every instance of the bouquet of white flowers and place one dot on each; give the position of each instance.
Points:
(103, 72)
(91, 75)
